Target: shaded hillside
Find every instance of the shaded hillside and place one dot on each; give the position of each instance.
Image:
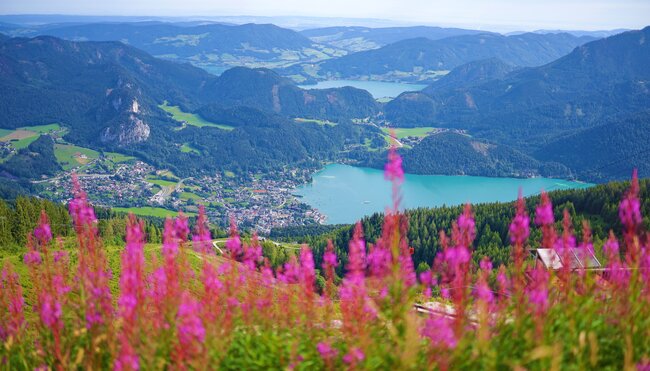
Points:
(208, 45)
(456, 154)
(264, 89)
(471, 74)
(104, 90)
(412, 109)
(597, 83)
(609, 151)
(108, 95)
(365, 38)
(425, 55)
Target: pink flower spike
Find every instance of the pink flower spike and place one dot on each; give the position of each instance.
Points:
(544, 212)
(326, 351)
(393, 169)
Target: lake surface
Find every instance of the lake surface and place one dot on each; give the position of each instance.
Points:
(378, 89)
(347, 193)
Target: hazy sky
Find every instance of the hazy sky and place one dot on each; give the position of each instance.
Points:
(517, 14)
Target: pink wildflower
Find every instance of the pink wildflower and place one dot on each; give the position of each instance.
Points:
(202, 239)
(233, 245)
(43, 232)
(33, 257)
(544, 212)
(393, 169)
(326, 351)
(630, 208)
(520, 226)
(190, 327)
(538, 290)
(439, 331)
(127, 359)
(354, 356)
(12, 316)
(307, 273)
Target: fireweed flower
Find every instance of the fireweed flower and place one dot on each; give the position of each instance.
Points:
(43, 233)
(201, 238)
(393, 169)
(330, 261)
(233, 244)
(190, 327)
(181, 227)
(354, 356)
(520, 226)
(439, 331)
(131, 279)
(482, 290)
(127, 359)
(326, 351)
(12, 315)
(307, 273)
(538, 290)
(544, 212)
(629, 210)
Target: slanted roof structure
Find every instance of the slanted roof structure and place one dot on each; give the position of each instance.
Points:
(575, 258)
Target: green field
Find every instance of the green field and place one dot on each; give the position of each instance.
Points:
(190, 118)
(187, 148)
(189, 196)
(70, 156)
(150, 211)
(22, 137)
(160, 182)
(118, 157)
(43, 129)
(409, 132)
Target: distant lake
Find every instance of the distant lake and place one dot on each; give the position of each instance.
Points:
(378, 89)
(347, 193)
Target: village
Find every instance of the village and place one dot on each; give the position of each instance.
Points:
(257, 202)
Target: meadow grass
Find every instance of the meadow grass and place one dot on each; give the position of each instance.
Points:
(70, 156)
(401, 133)
(191, 118)
(150, 211)
(187, 148)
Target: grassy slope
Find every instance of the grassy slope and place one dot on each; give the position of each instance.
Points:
(409, 132)
(69, 157)
(191, 118)
(150, 211)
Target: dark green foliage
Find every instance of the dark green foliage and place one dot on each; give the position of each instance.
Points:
(607, 151)
(33, 162)
(264, 89)
(457, 154)
(598, 84)
(19, 217)
(598, 205)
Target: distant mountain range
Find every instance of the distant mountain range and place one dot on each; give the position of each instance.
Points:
(600, 84)
(518, 120)
(356, 39)
(425, 59)
(209, 44)
(108, 95)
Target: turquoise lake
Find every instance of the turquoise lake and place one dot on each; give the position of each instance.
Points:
(378, 89)
(347, 193)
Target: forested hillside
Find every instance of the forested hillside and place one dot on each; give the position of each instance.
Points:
(598, 205)
(423, 54)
